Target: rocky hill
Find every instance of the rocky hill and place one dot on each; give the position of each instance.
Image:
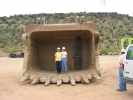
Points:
(11, 28)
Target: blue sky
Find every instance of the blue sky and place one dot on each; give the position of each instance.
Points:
(15, 7)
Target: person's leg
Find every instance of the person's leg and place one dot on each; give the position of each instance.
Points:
(62, 65)
(123, 84)
(58, 70)
(65, 64)
(120, 79)
(59, 66)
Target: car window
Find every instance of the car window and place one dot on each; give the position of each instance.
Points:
(130, 53)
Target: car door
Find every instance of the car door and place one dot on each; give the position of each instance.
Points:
(128, 62)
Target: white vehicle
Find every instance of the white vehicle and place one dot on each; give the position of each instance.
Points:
(128, 65)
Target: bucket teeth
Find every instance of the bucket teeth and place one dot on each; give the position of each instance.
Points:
(47, 81)
(35, 80)
(66, 79)
(59, 80)
(72, 80)
(43, 78)
(85, 79)
(54, 79)
(78, 78)
(25, 77)
(89, 76)
(96, 76)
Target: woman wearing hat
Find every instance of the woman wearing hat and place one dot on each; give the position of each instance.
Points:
(64, 60)
(58, 60)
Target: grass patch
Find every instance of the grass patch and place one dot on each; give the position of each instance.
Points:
(12, 51)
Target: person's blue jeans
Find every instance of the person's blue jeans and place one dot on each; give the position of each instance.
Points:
(122, 85)
(58, 66)
(64, 64)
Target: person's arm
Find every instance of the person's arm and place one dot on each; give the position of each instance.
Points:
(120, 63)
(66, 58)
(55, 57)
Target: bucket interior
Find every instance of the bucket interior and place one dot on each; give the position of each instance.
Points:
(78, 44)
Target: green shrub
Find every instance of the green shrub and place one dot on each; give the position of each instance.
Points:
(128, 18)
(13, 22)
(9, 23)
(107, 46)
(15, 25)
(112, 51)
(101, 34)
(101, 40)
(107, 37)
(12, 51)
(95, 21)
(123, 34)
(62, 17)
(121, 26)
(129, 29)
(114, 27)
(3, 19)
(2, 46)
(72, 19)
(32, 16)
(110, 40)
(104, 51)
(56, 16)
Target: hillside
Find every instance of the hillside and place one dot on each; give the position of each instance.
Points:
(11, 28)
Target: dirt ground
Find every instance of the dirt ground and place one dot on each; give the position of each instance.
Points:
(105, 89)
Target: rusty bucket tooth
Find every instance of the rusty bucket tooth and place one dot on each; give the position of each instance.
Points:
(35, 80)
(47, 81)
(72, 80)
(85, 79)
(25, 77)
(54, 79)
(66, 79)
(78, 78)
(43, 78)
(95, 75)
(59, 80)
(89, 76)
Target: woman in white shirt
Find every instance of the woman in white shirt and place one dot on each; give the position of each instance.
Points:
(64, 60)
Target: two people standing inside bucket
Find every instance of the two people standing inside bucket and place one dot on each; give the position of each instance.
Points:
(58, 58)
(64, 60)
